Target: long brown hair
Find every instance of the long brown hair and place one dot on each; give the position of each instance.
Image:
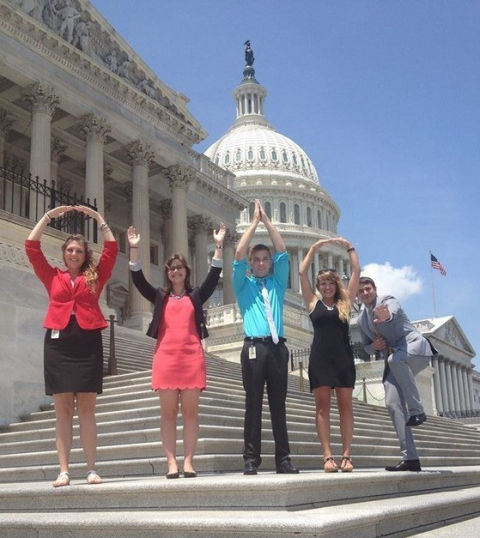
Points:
(344, 306)
(181, 258)
(88, 269)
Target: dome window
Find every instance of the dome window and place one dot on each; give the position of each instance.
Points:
(294, 157)
(226, 159)
(296, 214)
(268, 209)
(274, 155)
(238, 155)
(283, 212)
(217, 159)
(319, 219)
(250, 154)
(285, 156)
(309, 217)
(303, 162)
(262, 155)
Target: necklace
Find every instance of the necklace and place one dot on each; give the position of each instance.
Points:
(328, 307)
(178, 296)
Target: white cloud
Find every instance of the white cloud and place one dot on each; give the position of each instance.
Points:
(401, 282)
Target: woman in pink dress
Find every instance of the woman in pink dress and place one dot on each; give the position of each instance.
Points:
(178, 369)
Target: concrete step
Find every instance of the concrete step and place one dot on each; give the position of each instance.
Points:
(310, 505)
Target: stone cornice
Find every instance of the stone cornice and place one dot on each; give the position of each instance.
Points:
(94, 72)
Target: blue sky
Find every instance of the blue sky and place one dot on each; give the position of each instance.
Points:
(382, 95)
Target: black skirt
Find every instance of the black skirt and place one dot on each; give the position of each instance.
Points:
(73, 362)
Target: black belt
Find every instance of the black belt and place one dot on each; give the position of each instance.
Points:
(263, 339)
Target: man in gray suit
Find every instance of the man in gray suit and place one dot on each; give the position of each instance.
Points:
(387, 332)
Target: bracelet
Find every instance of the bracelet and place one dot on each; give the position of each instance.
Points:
(48, 217)
(104, 227)
(219, 246)
(350, 249)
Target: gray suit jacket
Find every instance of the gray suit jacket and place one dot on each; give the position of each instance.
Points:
(398, 332)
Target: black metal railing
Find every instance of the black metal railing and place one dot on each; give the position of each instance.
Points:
(30, 197)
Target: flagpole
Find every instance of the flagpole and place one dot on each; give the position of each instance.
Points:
(433, 288)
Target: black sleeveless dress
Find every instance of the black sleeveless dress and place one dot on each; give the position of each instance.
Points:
(331, 357)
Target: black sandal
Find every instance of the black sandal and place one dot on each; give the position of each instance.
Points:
(345, 469)
(327, 467)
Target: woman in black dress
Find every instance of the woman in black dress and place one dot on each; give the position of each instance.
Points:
(331, 363)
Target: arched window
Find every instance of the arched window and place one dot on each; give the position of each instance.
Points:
(309, 217)
(238, 155)
(226, 159)
(285, 156)
(296, 214)
(274, 155)
(250, 154)
(268, 209)
(283, 212)
(294, 157)
(217, 159)
(319, 219)
(262, 154)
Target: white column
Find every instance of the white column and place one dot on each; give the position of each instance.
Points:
(57, 150)
(297, 267)
(437, 387)
(443, 384)
(228, 255)
(43, 102)
(166, 212)
(96, 130)
(461, 399)
(6, 121)
(451, 399)
(316, 265)
(341, 267)
(141, 157)
(200, 227)
(468, 403)
(470, 389)
(179, 177)
(294, 271)
(330, 261)
(456, 396)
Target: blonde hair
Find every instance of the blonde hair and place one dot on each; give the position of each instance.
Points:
(88, 269)
(342, 301)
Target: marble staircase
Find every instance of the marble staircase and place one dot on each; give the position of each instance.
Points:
(136, 500)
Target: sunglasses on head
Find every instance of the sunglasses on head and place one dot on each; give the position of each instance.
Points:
(331, 270)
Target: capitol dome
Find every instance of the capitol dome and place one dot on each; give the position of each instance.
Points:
(252, 145)
(271, 167)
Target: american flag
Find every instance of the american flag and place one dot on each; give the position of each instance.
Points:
(437, 265)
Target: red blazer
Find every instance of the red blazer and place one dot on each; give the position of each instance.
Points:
(65, 298)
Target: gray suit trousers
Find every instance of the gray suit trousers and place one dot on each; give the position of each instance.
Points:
(397, 400)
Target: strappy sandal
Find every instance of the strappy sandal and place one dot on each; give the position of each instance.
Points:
(346, 465)
(63, 479)
(93, 478)
(329, 465)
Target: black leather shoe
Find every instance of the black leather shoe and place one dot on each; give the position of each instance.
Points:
(286, 467)
(416, 420)
(250, 467)
(189, 474)
(405, 465)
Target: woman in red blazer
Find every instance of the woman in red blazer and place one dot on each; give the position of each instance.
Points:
(73, 353)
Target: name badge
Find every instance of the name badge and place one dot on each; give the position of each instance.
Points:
(55, 334)
(252, 352)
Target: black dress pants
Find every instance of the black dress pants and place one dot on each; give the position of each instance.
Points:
(270, 366)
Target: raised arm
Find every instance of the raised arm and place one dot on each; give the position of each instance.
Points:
(102, 225)
(210, 283)
(308, 292)
(354, 266)
(242, 246)
(39, 228)
(275, 237)
(138, 278)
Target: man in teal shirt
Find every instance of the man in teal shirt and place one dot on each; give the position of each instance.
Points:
(260, 284)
